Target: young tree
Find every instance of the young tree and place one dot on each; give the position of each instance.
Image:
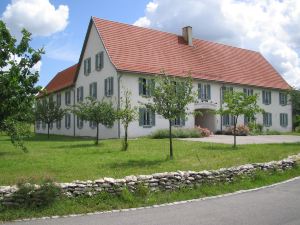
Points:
(126, 114)
(17, 80)
(48, 112)
(238, 104)
(99, 112)
(171, 96)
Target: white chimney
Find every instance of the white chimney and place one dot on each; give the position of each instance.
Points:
(187, 35)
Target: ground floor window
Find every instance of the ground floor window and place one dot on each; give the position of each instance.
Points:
(92, 124)
(227, 120)
(179, 122)
(68, 121)
(283, 119)
(147, 117)
(43, 125)
(267, 119)
(79, 123)
(58, 124)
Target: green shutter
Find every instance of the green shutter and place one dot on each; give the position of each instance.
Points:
(77, 94)
(95, 90)
(105, 87)
(152, 118)
(141, 116)
(91, 94)
(152, 86)
(140, 86)
(112, 86)
(208, 92)
(199, 90)
(101, 58)
(97, 61)
(89, 65)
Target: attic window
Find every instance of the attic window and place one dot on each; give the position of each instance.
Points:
(99, 61)
(87, 66)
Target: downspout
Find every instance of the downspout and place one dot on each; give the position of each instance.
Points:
(119, 95)
(73, 113)
(221, 104)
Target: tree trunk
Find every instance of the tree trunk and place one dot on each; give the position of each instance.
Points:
(125, 139)
(234, 131)
(170, 138)
(97, 142)
(48, 130)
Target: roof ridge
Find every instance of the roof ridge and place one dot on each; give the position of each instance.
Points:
(177, 35)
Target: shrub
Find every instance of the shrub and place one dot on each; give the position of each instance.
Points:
(297, 129)
(241, 130)
(33, 196)
(176, 133)
(205, 132)
(272, 132)
(142, 191)
(255, 128)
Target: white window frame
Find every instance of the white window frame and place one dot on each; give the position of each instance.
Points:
(283, 119)
(282, 98)
(68, 97)
(267, 119)
(109, 86)
(204, 91)
(68, 121)
(266, 97)
(79, 123)
(99, 61)
(87, 66)
(80, 94)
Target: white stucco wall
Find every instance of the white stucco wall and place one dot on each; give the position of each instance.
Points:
(94, 45)
(63, 130)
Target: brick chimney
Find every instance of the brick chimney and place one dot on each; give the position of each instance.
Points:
(187, 35)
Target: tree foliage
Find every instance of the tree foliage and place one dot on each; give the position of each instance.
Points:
(99, 112)
(171, 97)
(295, 101)
(126, 114)
(17, 81)
(48, 111)
(237, 104)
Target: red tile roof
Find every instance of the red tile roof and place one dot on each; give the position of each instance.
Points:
(62, 80)
(143, 50)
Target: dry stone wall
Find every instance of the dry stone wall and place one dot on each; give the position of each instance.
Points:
(160, 181)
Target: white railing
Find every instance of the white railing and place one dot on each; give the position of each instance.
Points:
(206, 104)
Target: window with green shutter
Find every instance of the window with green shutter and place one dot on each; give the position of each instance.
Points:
(99, 61)
(225, 89)
(204, 92)
(266, 97)
(68, 97)
(146, 117)
(145, 86)
(93, 90)
(267, 119)
(109, 86)
(283, 119)
(79, 123)
(282, 98)
(58, 124)
(68, 121)
(87, 66)
(80, 94)
(58, 99)
(248, 91)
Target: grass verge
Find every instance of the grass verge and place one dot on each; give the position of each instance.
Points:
(64, 159)
(104, 201)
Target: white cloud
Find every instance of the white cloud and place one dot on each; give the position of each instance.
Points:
(38, 16)
(271, 26)
(142, 22)
(37, 67)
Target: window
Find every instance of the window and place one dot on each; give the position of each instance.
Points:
(38, 124)
(87, 66)
(99, 61)
(43, 125)
(109, 86)
(283, 119)
(248, 91)
(204, 91)
(248, 120)
(68, 121)
(145, 86)
(282, 98)
(266, 97)
(179, 122)
(68, 98)
(93, 90)
(58, 124)
(227, 120)
(224, 90)
(267, 119)
(51, 98)
(80, 94)
(58, 99)
(79, 123)
(51, 126)
(92, 124)
(147, 117)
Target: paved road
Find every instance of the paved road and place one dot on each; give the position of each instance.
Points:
(241, 140)
(278, 205)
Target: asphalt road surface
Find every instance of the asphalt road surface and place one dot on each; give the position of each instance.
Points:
(277, 205)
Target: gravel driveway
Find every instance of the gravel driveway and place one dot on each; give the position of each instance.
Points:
(242, 140)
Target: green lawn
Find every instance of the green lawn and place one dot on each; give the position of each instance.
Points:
(66, 158)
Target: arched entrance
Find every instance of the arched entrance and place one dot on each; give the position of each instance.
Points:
(206, 119)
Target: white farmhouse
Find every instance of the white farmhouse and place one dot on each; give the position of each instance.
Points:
(116, 56)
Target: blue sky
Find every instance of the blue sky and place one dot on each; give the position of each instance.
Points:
(270, 26)
(70, 40)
